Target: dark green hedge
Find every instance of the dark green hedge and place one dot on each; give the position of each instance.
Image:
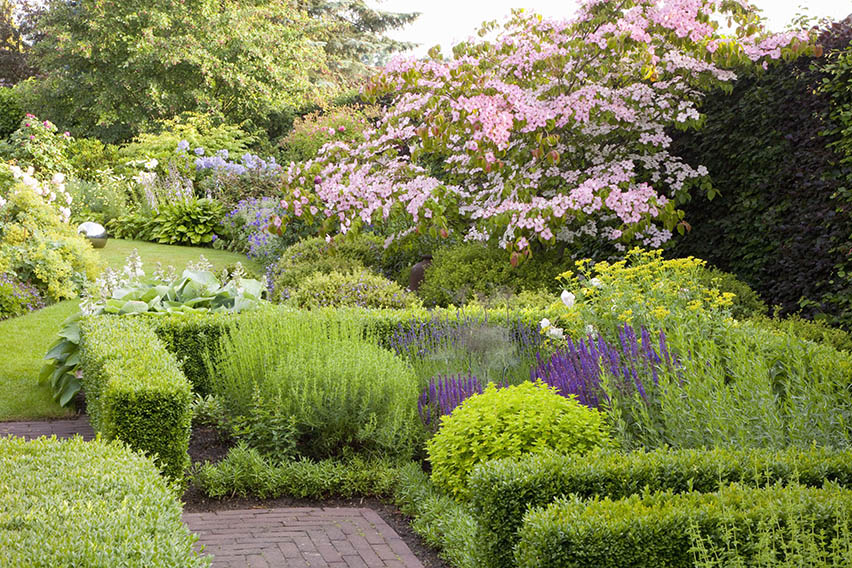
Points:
(653, 530)
(135, 390)
(783, 219)
(503, 490)
(93, 504)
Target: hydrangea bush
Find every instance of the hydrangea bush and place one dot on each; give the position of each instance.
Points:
(552, 131)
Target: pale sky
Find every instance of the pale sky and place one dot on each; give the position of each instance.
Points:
(447, 22)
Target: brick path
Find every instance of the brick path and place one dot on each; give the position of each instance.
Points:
(62, 428)
(300, 537)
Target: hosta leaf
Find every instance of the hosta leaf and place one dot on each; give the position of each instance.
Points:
(134, 307)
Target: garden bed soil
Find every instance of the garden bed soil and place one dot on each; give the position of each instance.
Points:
(206, 445)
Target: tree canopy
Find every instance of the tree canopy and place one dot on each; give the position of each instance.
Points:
(113, 67)
(354, 36)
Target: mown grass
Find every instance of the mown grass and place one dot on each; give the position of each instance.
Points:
(24, 340)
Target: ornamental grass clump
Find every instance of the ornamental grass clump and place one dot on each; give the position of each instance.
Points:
(342, 393)
(466, 343)
(509, 422)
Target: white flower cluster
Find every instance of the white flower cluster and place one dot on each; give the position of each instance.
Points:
(53, 192)
(201, 266)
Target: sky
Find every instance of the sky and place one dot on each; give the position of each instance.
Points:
(447, 22)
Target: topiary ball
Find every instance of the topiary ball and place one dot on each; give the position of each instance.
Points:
(507, 423)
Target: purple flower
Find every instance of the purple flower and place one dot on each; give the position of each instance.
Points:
(443, 394)
(199, 151)
(183, 146)
(576, 369)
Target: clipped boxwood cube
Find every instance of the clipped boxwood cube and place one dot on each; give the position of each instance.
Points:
(135, 390)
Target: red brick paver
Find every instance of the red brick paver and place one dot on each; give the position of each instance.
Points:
(62, 428)
(344, 537)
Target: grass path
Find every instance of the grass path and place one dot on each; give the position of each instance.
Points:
(24, 340)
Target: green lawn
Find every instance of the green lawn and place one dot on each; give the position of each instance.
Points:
(24, 340)
(116, 252)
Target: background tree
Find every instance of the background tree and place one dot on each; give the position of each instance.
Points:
(354, 35)
(114, 68)
(553, 133)
(15, 63)
(779, 151)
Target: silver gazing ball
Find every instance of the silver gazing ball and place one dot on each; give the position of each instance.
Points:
(95, 232)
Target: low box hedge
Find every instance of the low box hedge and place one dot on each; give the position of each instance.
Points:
(385, 324)
(191, 337)
(503, 490)
(653, 530)
(135, 390)
(93, 504)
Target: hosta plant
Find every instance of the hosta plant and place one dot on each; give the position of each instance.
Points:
(129, 292)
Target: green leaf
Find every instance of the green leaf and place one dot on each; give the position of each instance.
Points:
(134, 307)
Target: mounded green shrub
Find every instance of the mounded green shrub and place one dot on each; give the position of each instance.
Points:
(76, 503)
(653, 530)
(135, 391)
(313, 255)
(817, 331)
(343, 393)
(503, 490)
(463, 272)
(360, 288)
(509, 422)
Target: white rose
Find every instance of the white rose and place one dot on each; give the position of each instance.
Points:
(596, 282)
(555, 333)
(58, 179)
(568, 298)
(545, 323)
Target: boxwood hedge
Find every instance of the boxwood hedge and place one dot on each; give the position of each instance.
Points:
(503, 490)
(93, 504)
(135, 390)
(653, 530)
(191, 337)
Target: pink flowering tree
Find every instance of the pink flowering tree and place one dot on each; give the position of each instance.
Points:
(551, 131)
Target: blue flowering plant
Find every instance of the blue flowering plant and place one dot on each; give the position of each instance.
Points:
(231, 179)
(17, 298)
